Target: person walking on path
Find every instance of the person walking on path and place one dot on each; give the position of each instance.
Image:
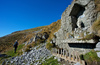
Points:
(15, 46)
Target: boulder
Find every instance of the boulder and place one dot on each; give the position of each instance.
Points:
(98, 54)
(98, 45)
(97, 49)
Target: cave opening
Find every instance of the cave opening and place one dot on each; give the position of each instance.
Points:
(77, 12)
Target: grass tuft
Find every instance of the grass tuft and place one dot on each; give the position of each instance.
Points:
(91, 58)
(51, 61)
(51, 29)
(49, 46)
(97, 2)
(96, 26)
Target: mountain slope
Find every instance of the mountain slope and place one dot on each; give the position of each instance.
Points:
(7, 42)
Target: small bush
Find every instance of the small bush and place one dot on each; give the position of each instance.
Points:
(29, 46)
(27, 49)
(49, 46)
(40, 40)
(81, 57)
(91, 36)
(91, 56)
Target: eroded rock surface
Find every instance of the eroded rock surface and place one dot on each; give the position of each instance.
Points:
(76, 22)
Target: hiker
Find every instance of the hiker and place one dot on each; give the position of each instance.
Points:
(16, 45)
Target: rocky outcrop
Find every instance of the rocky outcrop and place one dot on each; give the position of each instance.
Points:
(35, 57)
(40, 36)
(75, 21)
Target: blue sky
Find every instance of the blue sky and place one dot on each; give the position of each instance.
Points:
(18, 15)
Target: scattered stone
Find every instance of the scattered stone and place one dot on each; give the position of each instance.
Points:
(33, 57)
(59, 59)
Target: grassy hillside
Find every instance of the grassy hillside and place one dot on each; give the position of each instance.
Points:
(91, 58)
(7, 42)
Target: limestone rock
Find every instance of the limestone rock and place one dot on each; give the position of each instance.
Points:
(80, 15)
(98, 54)
(77, 63)
(83, 2)
(98, 45)
(98, 16)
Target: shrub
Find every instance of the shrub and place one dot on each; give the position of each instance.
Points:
(81, 57)
(91, 36)
(29, 46)
(49, 46)
(40, 40)
(91, 56)
(27, 49)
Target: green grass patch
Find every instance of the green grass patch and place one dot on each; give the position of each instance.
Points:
(51, 61)
(91, 56)
(11, 52)
(49, 46)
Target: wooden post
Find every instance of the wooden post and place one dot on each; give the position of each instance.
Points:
(63, 52)
(66, 54)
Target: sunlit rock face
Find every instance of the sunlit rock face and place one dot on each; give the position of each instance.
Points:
(76, 19)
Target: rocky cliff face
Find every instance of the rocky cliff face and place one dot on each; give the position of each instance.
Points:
(75, 20)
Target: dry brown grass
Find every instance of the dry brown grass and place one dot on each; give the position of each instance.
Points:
(96, 26)
(82, 35)
(97, 2)
(7, 42)
(51, 29)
